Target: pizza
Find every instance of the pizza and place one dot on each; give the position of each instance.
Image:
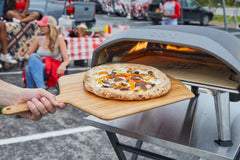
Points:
(126, 81)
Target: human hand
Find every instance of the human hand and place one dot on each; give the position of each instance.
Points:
(21, 59)
(23, 14)
(40, 102)
(26, 56)
(167, 15)
(61, 69)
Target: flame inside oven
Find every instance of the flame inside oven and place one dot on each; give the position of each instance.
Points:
(180, 48)
(143, 46)
(138, 47)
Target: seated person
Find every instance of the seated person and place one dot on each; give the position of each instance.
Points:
(46, 46)
(4, 55)
(17, 11)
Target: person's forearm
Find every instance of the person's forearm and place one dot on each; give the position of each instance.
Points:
(8, 93)
(25, 11)
(177, 11)
(26, 56)
(66, 63)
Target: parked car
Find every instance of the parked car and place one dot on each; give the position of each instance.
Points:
(117, 7)
(120, 8)
(191, 11)
(82, 11)
(85, 11)
(98, 7)
(107, 6)
(139, 8)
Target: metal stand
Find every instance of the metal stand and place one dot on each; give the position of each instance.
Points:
(222, 107)
(187, 126)
(119, 147)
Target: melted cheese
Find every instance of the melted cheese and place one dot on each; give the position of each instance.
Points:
(119, 69)
(154, 80)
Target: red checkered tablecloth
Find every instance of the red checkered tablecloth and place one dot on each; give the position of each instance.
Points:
(83, 47)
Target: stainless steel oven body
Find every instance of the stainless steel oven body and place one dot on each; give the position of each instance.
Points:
(198, 56)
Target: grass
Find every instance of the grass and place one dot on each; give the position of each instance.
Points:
(220, 18)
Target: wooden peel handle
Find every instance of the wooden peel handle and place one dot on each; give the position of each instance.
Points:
(14, 109)
(18, 108)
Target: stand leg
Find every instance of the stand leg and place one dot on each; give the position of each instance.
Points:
(138, 145)
(114, 141)
(190, 115)
(120, 147)
(222, 108)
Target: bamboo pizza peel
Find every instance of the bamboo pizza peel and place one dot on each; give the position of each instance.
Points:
(72, 92)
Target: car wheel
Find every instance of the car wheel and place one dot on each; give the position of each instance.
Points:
(205, 20)
(135, 18)
(124, 15)
(155, 21)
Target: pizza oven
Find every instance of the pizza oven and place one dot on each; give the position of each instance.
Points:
(200, 57)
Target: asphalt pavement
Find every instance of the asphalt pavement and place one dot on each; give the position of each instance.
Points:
(65, 134)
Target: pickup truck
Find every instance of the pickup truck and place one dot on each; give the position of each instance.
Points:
(80, 11)
(191, 11)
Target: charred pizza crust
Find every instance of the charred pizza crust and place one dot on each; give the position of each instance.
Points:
(161, 84)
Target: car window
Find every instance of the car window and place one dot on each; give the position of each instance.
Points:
(182, 3)
(191, 3)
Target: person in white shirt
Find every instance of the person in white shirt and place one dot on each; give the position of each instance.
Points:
(171, 11)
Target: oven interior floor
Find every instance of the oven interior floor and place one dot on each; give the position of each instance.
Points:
(192, 71)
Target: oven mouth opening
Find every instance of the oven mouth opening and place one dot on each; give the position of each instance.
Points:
(180, 62)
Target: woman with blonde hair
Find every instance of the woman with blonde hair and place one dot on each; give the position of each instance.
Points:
(47, 57)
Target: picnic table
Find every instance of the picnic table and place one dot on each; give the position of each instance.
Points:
(81, 48)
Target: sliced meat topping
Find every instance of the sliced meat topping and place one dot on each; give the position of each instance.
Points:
(124, 88)
(135, 77)
(150, 72)
(119, 79)
(106, 82)
(136, 72)
(105, 86)
(152, 84)
(129, 71)
(113, 75)
(142, 85)
(124, 84)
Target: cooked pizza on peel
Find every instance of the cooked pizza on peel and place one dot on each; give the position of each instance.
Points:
(126, 81)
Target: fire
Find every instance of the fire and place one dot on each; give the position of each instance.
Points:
(181, 49)
(139, 46)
